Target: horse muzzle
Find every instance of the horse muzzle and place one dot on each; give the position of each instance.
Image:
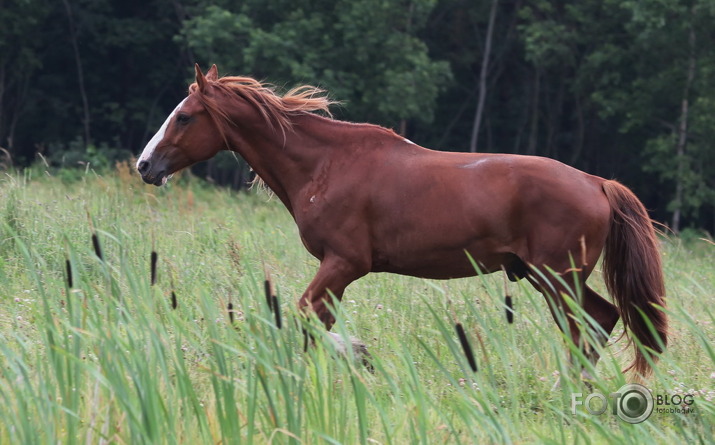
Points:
(152, 173)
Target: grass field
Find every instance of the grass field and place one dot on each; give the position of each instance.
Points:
(110, 361)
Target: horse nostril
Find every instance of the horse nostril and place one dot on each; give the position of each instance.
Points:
(143, 167)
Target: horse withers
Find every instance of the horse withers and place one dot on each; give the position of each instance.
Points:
(368, 200)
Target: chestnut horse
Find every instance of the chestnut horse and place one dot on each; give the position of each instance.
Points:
(367, 200)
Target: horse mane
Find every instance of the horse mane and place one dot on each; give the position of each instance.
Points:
(277, 110)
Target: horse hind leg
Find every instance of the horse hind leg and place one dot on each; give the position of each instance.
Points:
(603, 313)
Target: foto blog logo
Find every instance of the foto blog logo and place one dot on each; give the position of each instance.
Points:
(632, 403)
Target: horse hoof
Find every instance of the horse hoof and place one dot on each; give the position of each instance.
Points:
(586, 378)
(557, 384)
(359, 349)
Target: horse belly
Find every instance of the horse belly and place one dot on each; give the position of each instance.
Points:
(441, 247)
(444, 265)
(430, 228)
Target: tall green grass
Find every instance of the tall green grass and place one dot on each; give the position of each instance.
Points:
(109, 360)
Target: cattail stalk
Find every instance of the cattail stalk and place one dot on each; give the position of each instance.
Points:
(277, 311)
(174, 302)
(95, 239)
(507, 300)
(509, 309)
(68, 266)
(468, 352)
(154, 258)
(583, 262)
(271, 298)
(97, 247)
(268, 292)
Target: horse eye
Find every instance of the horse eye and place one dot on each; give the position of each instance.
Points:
(183, 118)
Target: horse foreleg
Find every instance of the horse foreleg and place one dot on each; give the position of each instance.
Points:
(333, 276)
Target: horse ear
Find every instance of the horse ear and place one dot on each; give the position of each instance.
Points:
(212, 74)
(200, 79)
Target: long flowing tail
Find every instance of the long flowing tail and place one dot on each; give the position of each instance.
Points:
(633, 273)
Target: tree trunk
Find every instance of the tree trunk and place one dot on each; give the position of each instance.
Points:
(483, 79)
(448, 129)
(403, 128)
(2, 104)
(683, 129)
(80, 74)
(580, 132)
(553, 122)
(534, 130)
(22, 90)
(149, 127)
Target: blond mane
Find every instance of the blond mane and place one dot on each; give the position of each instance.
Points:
(277, 110)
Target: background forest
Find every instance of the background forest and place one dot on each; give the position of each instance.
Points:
(621, 89)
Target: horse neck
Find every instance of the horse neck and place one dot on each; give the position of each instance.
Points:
(288, 161)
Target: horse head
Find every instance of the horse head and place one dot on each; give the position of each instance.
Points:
(188, 135)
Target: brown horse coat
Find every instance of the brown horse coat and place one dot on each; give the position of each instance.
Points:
(367, 200)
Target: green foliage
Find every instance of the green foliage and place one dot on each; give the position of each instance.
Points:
(663, 55)
(547, 41)
(631, 62)
(695, 174)
(21, 20)
(597, 84)
(77, 155)
(20, 57)
(367, 54)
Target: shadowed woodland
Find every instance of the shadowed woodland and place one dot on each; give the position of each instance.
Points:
(620, 89)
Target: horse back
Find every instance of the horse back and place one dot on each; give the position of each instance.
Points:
(435, 206)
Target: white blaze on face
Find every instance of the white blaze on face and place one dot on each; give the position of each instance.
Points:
(151, 145)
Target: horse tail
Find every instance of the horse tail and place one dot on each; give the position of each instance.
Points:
(633, 273)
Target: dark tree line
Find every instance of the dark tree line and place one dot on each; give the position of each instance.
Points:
(621, 89)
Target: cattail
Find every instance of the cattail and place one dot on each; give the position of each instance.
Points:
(583, 260)
(509, 309)
(174, 303)
(268, 292)
(95, 239)
(68, 266)
(466, 347)
(276, 311)
(268, 287)
(97, 247)
(507, 299)
(230, 311)
(154, 257)
(271, 299)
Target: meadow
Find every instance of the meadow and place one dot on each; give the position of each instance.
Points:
(198, 357)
